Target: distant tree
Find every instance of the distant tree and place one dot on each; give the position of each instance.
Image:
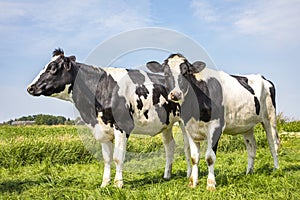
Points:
(42, 119)
(49, 119)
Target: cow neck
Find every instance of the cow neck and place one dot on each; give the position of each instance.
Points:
(84, 91)
(197, 103)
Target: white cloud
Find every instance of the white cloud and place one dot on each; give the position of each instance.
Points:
(278, 19)
(204, 10)
(40, 25)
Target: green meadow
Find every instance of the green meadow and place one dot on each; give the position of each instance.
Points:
(55, 162)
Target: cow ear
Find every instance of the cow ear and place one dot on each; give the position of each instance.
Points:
(155, 67)
(73, 58)
(68, 63)
(197, 66)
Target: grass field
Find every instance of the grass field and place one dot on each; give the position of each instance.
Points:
(43, 162)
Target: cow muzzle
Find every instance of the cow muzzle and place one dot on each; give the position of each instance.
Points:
(33, 90)
(175, 96)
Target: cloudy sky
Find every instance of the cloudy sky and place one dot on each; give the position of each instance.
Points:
(241, 37)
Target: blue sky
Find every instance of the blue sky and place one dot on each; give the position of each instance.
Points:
(241, 37)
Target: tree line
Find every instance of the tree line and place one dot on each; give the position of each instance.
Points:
(42, 119)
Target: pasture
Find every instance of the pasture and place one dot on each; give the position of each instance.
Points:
(51, 162)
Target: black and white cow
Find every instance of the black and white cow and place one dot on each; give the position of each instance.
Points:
(213, 102)
(114, 102)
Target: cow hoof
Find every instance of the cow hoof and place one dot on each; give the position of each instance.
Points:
(192, 183)
(119, 183)
(167, 178)
(249, 171)
(105, 183)
(211, 185)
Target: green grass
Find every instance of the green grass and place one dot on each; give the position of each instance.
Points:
(42, 162)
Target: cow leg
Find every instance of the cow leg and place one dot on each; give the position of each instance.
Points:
(273, 140)
(187, 150)
(169, 144)
(210, 158)
(213, 136)
(250, 142)
(119, 156)
(107, 152)
(195, 155)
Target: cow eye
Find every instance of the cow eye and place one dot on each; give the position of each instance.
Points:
(53, 69)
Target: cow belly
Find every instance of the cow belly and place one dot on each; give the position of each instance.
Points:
(239, 123)
(149, 129)
(150, 123)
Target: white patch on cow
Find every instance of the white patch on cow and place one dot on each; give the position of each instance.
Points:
(175, 61)
(116, 73)
(43, 70)
(174, 64)
(64, 95)
(102, 132)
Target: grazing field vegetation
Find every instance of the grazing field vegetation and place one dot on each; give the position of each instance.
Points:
(53, 162)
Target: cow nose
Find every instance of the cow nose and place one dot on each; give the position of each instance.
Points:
(175, 96)
(30, 90)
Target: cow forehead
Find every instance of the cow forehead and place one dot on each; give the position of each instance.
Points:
(175, 61)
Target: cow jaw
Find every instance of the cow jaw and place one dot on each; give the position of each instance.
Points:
(66, 94)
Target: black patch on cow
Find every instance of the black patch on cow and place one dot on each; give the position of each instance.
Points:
(209, 161)
(216, 94)
(141, 91)
(158, 90)
(257, 105)
(244, 82)
(146, 114)
(139, 104)
(167, 108)
(136, 76)
(96, 92)
(204, 103)
(131, 109)
(215, 147)
(272, 91)
(156, 78)
(197, 103)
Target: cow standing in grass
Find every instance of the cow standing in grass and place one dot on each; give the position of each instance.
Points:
(213, 102)
(114, 102)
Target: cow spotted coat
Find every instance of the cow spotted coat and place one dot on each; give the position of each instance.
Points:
(213, 102)
(114, 102)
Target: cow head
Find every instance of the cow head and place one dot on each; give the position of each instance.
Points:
(177, 71)
(56, 77)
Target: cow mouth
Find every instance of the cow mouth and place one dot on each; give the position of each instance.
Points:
(175, 97)
(33, 91)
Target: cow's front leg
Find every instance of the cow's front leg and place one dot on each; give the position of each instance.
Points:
(169, 144)
(187, 150)
(210, 158)
(195, 155)
(107, 152)
(119, 156)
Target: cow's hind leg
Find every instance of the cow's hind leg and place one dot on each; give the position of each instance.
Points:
(273, 140)
(250, 142)
(107, 152)
(119, 156)
(169, 144)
